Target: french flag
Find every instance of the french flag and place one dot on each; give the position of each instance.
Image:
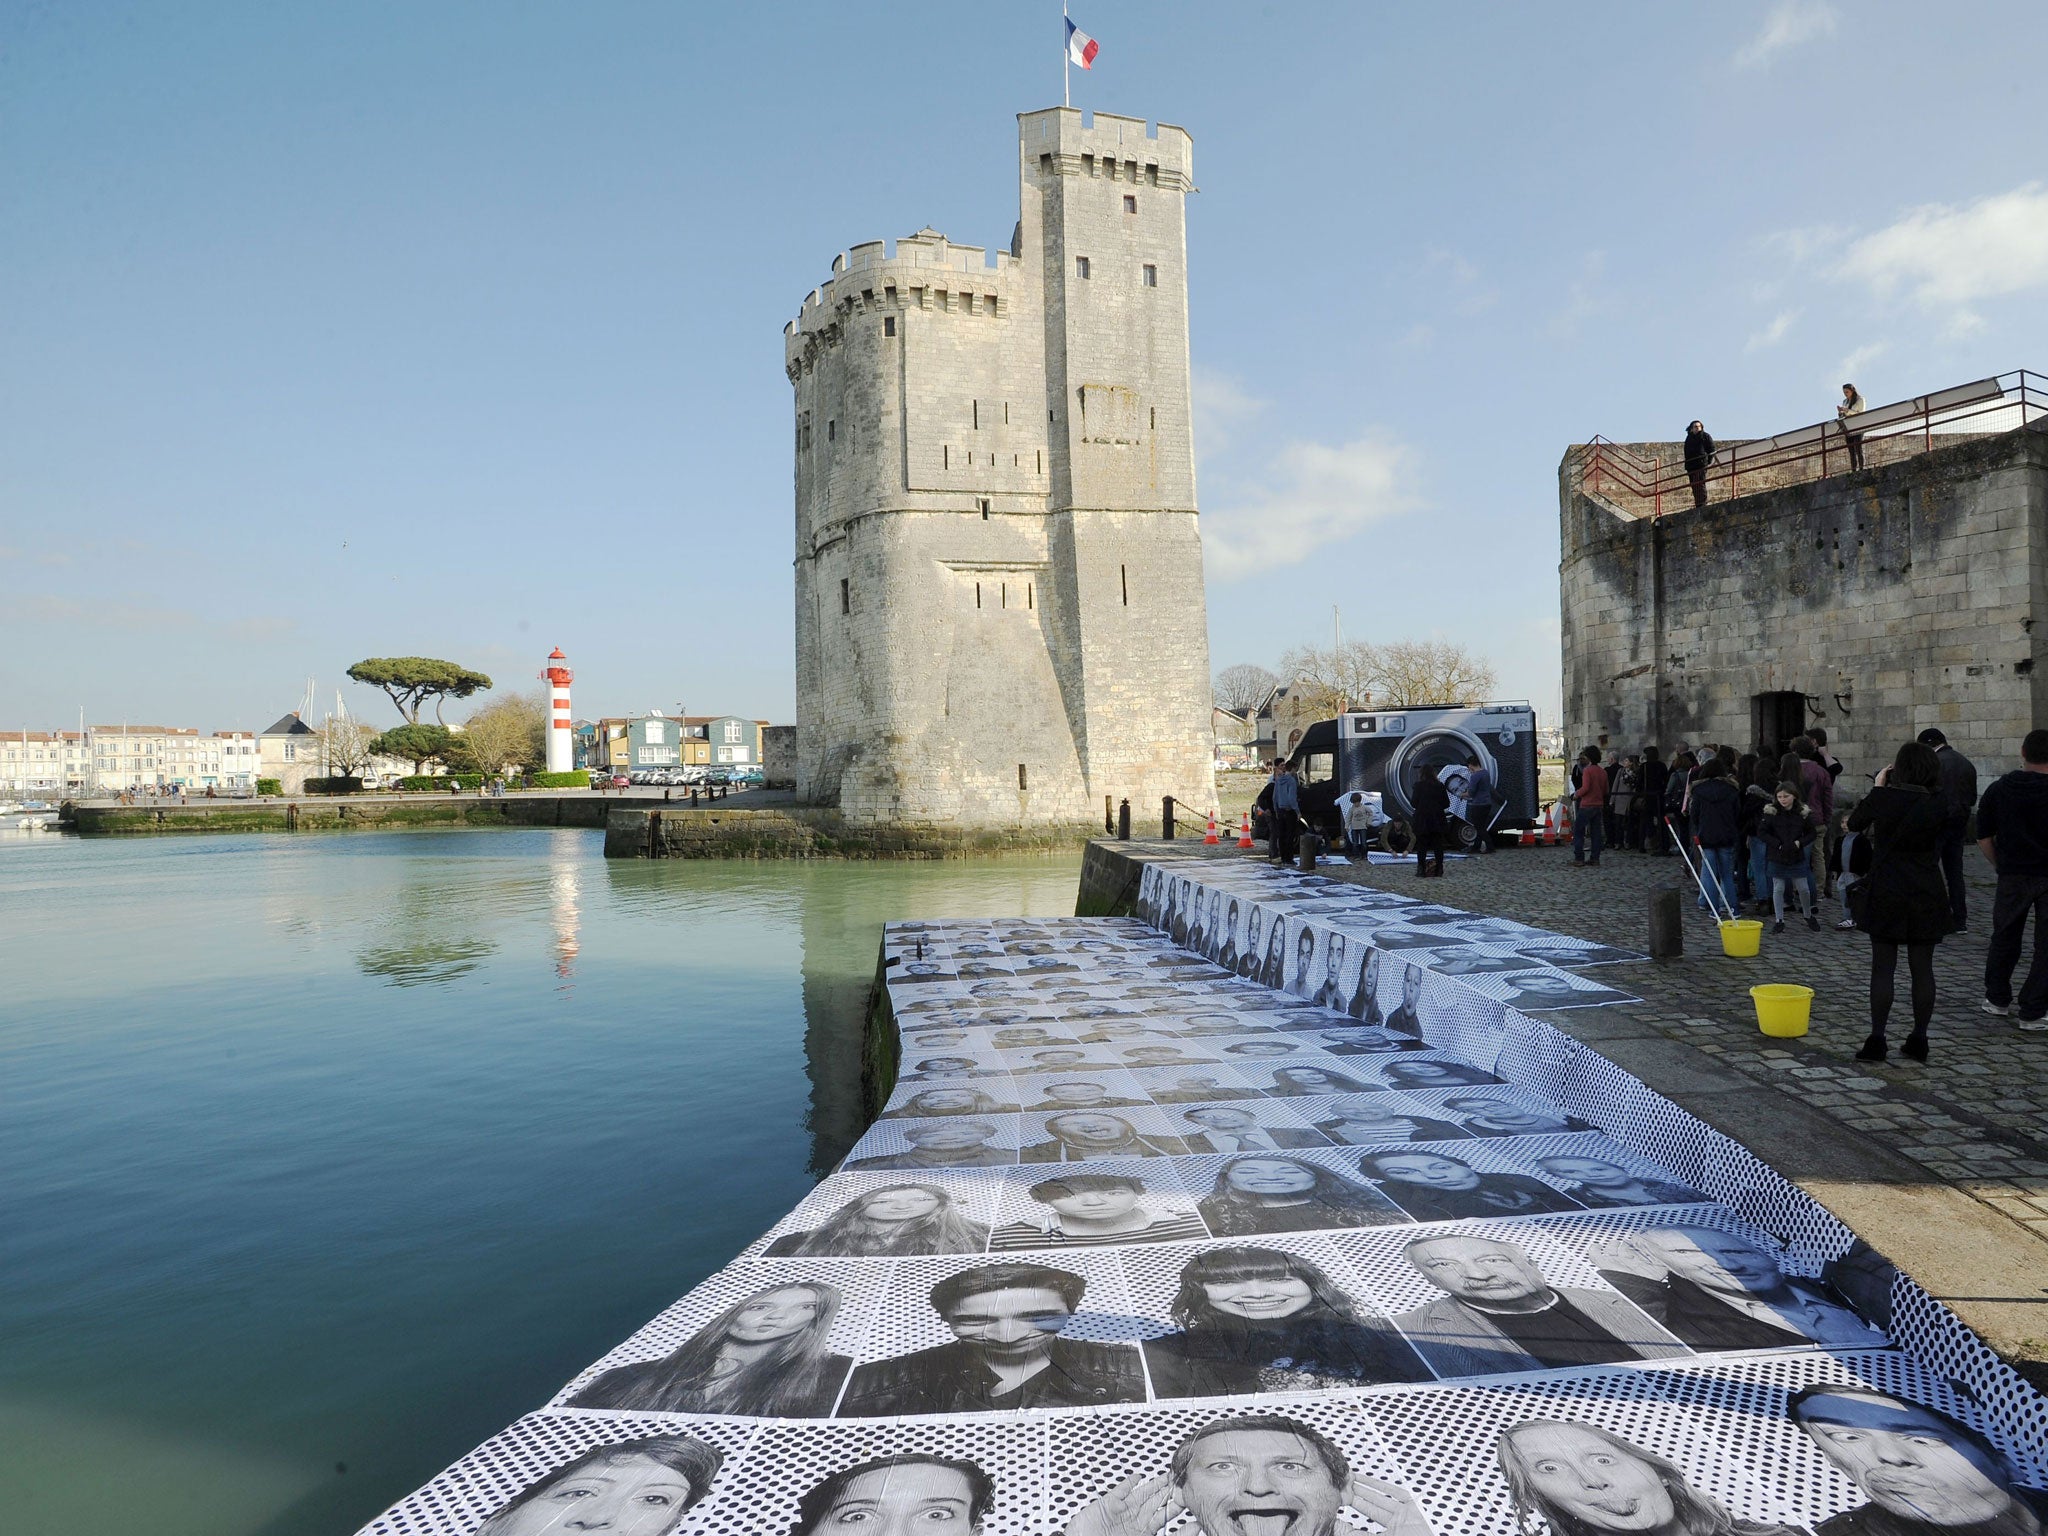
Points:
(1081, 48)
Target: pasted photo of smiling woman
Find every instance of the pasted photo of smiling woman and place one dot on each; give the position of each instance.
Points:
(896, 1219)
(1264, 1320)
(638, 1487)
(764, 1356)
(1584, 1481)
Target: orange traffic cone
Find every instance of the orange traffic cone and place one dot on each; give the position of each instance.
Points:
(1244, 838)
(1212, 839)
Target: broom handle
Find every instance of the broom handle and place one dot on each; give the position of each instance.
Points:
(1696, 880)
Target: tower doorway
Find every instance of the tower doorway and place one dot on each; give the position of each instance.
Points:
(1776, 719)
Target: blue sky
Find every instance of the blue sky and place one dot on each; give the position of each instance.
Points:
(338, 330)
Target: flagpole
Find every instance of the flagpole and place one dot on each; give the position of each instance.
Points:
(1066, 61)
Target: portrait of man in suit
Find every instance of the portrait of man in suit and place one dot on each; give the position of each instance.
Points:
(1227, 1128)
(1081, 1135)
(1718, 1290)
(1498, 1312)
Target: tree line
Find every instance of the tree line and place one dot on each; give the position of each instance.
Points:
(1363, 674)
(507, 734)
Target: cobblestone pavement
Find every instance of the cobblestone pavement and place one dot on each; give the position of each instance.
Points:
(1975, 1116)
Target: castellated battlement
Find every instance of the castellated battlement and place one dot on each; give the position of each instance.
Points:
(925, 272)
(999, 603)
(1126, 149)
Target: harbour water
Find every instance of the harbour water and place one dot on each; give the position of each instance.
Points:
(324, 1157)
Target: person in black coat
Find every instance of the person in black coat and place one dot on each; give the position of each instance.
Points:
(1716, 825)
(1432, 805)
(1958, 794)
(1653, 778)
(1904, 899)
(1699, 453)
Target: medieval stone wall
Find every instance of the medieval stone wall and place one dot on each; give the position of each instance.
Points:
(1893, 599)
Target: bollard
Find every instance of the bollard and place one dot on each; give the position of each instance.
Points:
(1166, 818)
(1108, 816)
(1310, 845)
(1667, 924)
(1123, 819)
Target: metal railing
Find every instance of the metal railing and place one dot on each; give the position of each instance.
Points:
(1883, 434)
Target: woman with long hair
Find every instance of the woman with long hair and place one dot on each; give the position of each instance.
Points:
(1295, 1082)
(640, 1487)
(765, 1356)
(1260, 1320)
(1248, 957)
(1583, 1481)
(1273, 973)
(1261, 1192)
(895, 1219)
(1903, 899)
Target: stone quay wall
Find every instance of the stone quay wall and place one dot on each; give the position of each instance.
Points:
(812, 832)
(1896, 598)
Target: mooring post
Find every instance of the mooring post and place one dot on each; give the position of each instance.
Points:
(1310, 844)
(1166, 818)
(1667, 924)
(1123, 818)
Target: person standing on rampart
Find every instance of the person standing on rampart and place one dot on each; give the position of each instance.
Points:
(1699, 454)
(1847, 412)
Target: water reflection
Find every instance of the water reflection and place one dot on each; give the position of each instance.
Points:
(425, 960)
(564, 890)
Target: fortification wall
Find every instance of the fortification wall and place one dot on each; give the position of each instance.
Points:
(1894, 599)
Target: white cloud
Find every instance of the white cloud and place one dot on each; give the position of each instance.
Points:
(1773, 333)
(1949, 257)
(1222, 407)
(1791, 23)
(1797, 246)
(1585, 299)
(1859, 361)
(1470, 293)
(1311, 495)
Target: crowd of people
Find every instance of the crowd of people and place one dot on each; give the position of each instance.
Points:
(1763, 832)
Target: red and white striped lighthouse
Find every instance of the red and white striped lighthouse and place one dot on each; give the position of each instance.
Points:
(561, 738)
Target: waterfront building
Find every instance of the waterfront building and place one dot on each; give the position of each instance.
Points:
(35, 764)
(289, 751)
(733, 741)
(999, 605)
(629, 743)
(113, 759)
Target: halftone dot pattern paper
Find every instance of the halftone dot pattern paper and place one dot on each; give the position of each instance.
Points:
(972, 1192)
(859, 1284)
(534, 1449)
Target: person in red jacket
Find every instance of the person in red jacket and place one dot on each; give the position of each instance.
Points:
(1589, 792)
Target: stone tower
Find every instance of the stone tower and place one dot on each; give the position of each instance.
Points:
(999, 604)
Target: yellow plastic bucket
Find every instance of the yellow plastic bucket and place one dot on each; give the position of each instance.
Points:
(1782, 1010)
(1740, 936)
